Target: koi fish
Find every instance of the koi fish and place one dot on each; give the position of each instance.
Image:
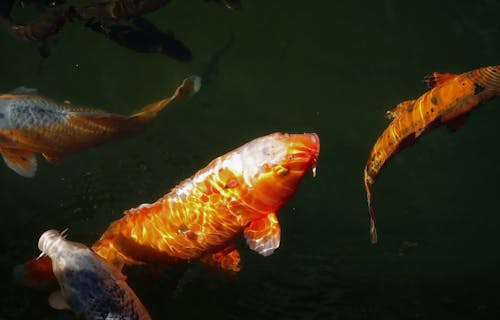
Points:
(113, 10)
(450, 100)
(92, 288)
(237, 193)
(143, 37)
(30, 123)
(42, 29)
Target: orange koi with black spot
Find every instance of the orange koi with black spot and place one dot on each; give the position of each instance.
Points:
(450, 100)
(30, 123)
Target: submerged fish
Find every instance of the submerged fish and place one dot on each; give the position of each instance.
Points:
(91, 287)
(30, 123)
(143, 37)
(113, 10)
(47, 26)
(237, 193)
(449, 102)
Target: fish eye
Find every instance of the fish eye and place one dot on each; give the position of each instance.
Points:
(281, 171)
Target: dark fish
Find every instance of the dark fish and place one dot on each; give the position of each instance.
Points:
(143, 37)
(113, 10)
(47, 26)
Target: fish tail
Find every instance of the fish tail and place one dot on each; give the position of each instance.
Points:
(371, 209)
(187, 89)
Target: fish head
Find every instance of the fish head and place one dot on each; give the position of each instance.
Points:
(48, 242)
(274, 165)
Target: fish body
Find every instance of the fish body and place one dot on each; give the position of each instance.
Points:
(237, 193)
(91, 287)
(113, 10)
(40, 30)
(449, 101)
(143, 37)
(30, 123)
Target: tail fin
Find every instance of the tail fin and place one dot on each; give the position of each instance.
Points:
(371, 208)
(187, 89)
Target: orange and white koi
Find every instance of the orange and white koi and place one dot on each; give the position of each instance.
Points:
(90, 287)
(30, 123)
(237, 193)
(450, 100)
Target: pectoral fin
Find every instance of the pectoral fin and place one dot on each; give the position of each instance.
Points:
(456, 123)
(435, 79)
(263, 235)
(52, 157)
(405, 106)
(227, 259)
(57, 301)
(21, 161)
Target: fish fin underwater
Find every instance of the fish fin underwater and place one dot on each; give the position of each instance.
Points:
(56, 301)
(399, 109)
(226, 259)
(23, 162)
(436, 79)
(263, 235)
(187, 89)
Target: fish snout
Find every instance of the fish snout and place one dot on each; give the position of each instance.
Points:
(304, 151)
(47, 239)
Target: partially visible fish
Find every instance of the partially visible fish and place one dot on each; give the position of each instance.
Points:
(92, 288)
(450, 100)
(47, 26)
(30, 123)
(143, 37)
(114, 10)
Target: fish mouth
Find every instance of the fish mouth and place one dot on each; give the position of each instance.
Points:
(47, 239)
(305, 151)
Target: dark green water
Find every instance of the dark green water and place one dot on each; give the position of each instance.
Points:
(332, 67)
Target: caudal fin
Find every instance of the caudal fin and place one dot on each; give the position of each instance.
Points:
(189, 87)
(371, 209)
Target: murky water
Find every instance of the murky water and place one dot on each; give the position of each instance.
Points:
(332, 67)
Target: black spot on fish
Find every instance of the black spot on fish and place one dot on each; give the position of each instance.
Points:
(478, 89)
(2, 116)
(434, 100)
(432, 109)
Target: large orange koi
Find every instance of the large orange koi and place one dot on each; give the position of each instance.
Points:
(450, 100)
(237, 193)
(30, 123)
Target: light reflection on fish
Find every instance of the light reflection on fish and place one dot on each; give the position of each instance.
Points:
(30, 123)
(451, 98)
(91, 287)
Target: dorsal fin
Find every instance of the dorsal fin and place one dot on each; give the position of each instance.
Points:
(436, 79)
(22, 90)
